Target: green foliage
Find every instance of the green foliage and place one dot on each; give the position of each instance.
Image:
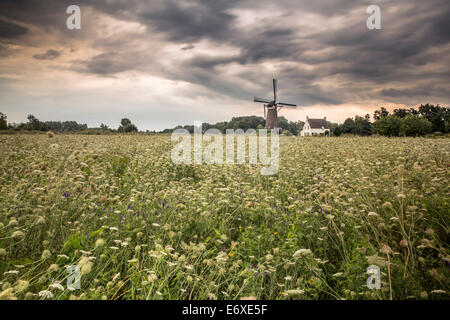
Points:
(65, 126)
(245, 123)
(363, 126)
(358, 126)
(124, 122)
(388, 126)
(74, 242)
(3, 121)
(336, 130)
(378, 114)
(126, 126)
(437, 115)
(349, 126)
(401, 113)
(35, 124)
(119, 165)
(412, 126)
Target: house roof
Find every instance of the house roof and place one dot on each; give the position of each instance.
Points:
(318, 123)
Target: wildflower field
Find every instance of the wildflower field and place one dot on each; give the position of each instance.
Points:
(140, 227)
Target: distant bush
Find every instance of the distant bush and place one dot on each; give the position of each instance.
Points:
(413, 126)
(3, 121)
(410, 126)
(388, 126)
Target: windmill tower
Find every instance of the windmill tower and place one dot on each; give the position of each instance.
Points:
(271, 108)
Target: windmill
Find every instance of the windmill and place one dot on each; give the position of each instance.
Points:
(271, 108)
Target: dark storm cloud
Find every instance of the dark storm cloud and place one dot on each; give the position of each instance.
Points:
(419, 91)
(319, 60)
(105, 64)
(49, 55)
(188, 47)
(190, 20)
(39, 13)
(10, 30)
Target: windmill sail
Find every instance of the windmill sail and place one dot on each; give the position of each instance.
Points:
(256, 99)
(287, 104)
(275, 90)
(271, 108)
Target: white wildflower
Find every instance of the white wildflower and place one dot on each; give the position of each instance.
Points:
(12, 272)
(294, 292)
(116, 276)
(302, 252)
(56, 286)
(19, 235)
(99, 243)
(438, 291)
(45, 294)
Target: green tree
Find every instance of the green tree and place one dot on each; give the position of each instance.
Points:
(3, 121)
(300, 125)
(349, 126)
(337, 131)
(388, 126)
(130, 128)
(401, 113)
(127, 126)
(124, 122)
(437, 115)
(413, 126)
(378, 114)
(363, 126)
(34, 124)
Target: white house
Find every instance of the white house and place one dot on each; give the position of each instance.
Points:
(314, 127)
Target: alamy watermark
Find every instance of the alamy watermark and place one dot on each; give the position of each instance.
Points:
(374, 20)
(374, 281)
(190, 149)
(73, 22)
(74, 279)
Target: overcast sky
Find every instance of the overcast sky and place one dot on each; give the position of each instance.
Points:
(166, 62)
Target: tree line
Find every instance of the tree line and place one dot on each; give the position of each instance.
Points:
(426, 119)
(245, 123)
(34, 124)
(410, 122)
